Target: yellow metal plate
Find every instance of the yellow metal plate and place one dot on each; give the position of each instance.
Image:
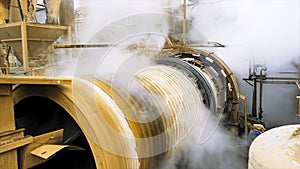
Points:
(34, 80)
(47, 150)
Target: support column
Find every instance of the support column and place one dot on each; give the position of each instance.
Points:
(24, 46)
(8, 160)
(298, 105)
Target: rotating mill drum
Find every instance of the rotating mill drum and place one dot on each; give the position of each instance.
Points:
(133, 126)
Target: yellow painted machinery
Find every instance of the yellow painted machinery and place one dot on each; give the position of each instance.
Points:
(89, 122)
(137, 127)
(85, 122)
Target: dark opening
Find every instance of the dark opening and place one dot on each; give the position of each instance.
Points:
(39, 115)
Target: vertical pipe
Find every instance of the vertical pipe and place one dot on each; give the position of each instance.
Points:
(7, 48)
(298, 105)
(298, 99)
(69, 39)
(246, 117)
(254, 101)
(2, 65)
(184, 24)
(260, 93)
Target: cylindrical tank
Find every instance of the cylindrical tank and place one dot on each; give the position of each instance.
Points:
(277, 148)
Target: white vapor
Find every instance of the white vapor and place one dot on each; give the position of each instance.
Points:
(264, 32)
(200, 150)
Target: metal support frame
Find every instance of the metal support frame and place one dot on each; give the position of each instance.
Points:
(10, 138)
(267, 80)
(243, 98)
(24, 46)
(29, 40)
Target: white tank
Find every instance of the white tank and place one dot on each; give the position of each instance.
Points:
(278, 148)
